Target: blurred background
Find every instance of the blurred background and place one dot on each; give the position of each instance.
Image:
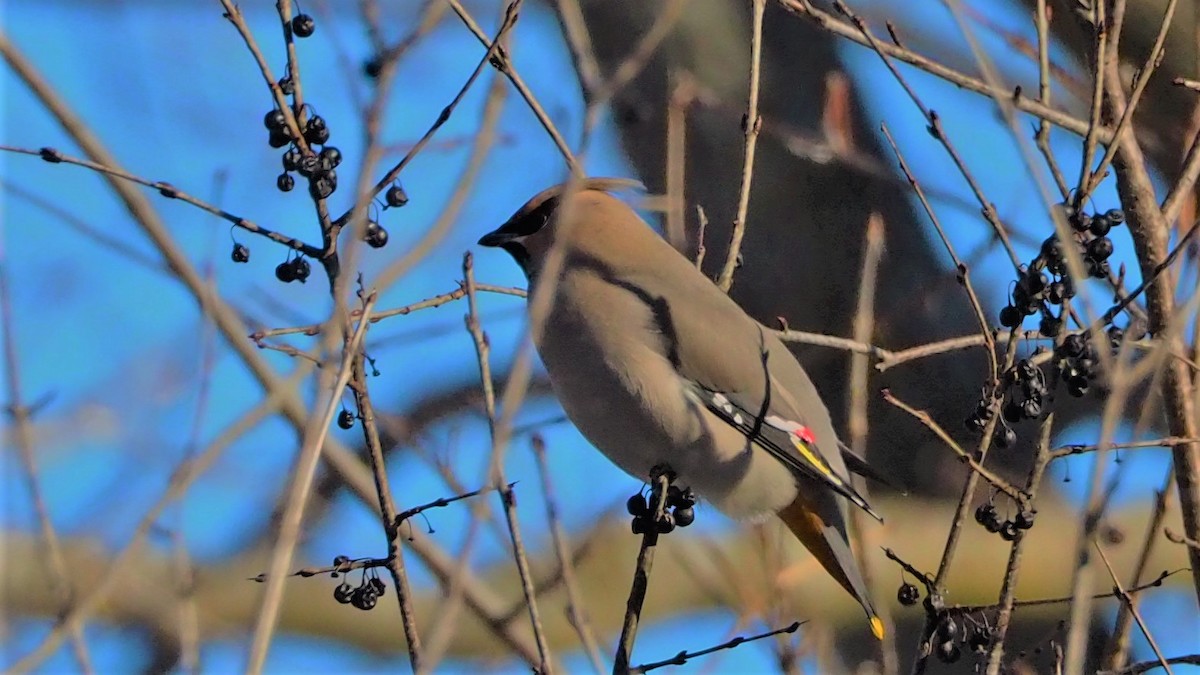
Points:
(129, 378)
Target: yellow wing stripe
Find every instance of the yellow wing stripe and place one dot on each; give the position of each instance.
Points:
(814, 459)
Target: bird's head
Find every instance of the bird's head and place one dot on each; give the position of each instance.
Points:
(530, 232)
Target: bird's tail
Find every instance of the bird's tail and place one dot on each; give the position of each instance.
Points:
(827, 542)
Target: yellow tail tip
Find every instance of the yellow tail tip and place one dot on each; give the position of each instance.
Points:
(877, 627)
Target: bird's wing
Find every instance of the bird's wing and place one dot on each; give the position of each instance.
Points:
(789, 441)
(743, 373)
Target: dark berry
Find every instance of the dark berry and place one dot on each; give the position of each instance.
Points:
(993, 525)
(985, 513)
(303, 25)
(291, 159)
(673, 495)
(1115, 216)
(285, 182)
(1100, 226)
(1051, 250)
(316, 131)
(346, 419)
(278, 139)
(685, 516)
(396, 196)
(1008, 531)
(947, 628)
(976, 423)
(1010, 317)
(308, 165)
(240, 253)
(908, 594)
(372, 67)
(286, 85)
(1060, 291)
(275, 120)
(1115, 336)
(365, 598)
(301, 269)
(1100, 248)
(1073, 345)
(343, 593)
(637, 506)
(686, 500)
(666, 524)
(1024, 519)
(1081, 222)
(1031, 409)
(320, 187)
(1005, 437)
(340, 560)
(948, 652)
(639, 524)
(285, 273)
(330, 158)
(379, 586)
(1012, 411)
(377, 236)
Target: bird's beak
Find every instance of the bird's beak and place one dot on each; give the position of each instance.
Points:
(496, 238)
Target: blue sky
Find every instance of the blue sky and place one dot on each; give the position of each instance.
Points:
(174, 94)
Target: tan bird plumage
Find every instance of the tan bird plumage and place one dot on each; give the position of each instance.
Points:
(655, 365)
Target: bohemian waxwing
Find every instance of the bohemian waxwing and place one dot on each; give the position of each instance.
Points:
(657, 367)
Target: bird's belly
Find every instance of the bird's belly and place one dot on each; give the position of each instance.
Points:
(651, 422)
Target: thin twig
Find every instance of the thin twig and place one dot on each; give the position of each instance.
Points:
(660, 481)
(493, 47)
(682, 657)
(169, 191)
(833, 342)
(504, 65)
(1042, 22)
(1128, 603)
(858, 425)
(21, 418)
(1119, 643)
(1068, 450)
(562, 550)
(847, 30)
(507, 498)
(750, 127)
(1098, 53)
(1008, 588)
(1139, 86)
(924, 418)
(303, 474)
(964, 274)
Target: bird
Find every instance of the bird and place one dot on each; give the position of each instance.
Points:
(658, 367)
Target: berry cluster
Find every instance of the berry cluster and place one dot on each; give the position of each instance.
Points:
(947, 635)
(987, 516)
(1076, 360)
(679, 511)
(1025, 399)
(366, 595)
(319, 167)
(947, 632)
(296, 269)
(1046, 282)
